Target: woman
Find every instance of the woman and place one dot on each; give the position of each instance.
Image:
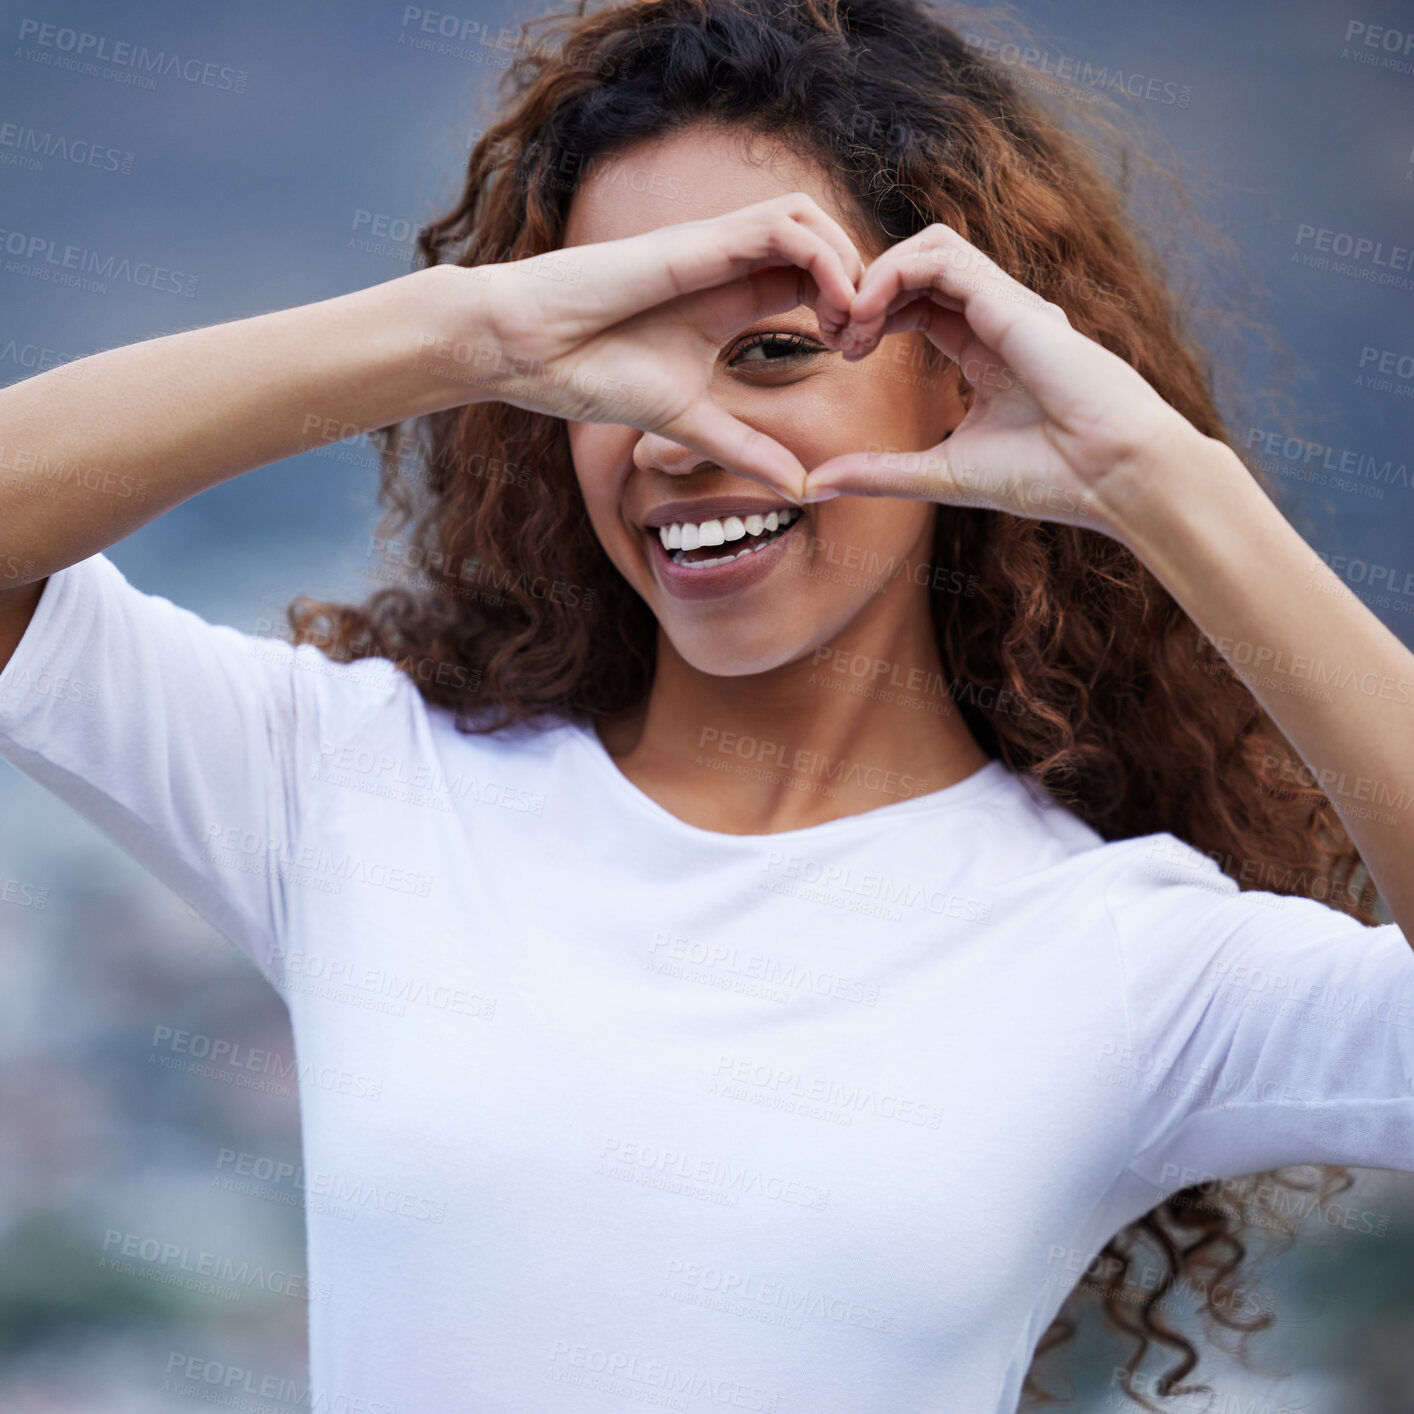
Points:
(786, 970)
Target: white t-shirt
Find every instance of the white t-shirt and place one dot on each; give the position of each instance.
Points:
(825, 1121)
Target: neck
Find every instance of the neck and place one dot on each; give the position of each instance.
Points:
(857, 723)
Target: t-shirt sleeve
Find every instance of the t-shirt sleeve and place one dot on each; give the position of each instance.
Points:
(1264, 1029)
(191, 745)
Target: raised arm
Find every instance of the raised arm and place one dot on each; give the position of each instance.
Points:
(1062, 428)
(93, 450)
(97, 448)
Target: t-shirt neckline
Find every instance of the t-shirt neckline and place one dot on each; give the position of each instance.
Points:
(964, 792)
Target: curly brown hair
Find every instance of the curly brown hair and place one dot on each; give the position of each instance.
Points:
(1135, 723)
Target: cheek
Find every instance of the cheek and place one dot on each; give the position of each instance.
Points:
(903, 399)
(893, 400)
(865, 536)
(600, 454)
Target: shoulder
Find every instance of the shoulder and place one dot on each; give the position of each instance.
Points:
(400, 715)
(1042, 839)
(1184, 928)
(1151, 887)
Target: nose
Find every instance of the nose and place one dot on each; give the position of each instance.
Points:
(654, 452)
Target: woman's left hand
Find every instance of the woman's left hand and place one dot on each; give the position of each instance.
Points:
(1057, 421)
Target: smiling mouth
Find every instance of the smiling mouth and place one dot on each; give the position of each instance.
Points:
(707, 544)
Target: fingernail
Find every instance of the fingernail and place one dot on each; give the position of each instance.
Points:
(820, 493)
(856, 345)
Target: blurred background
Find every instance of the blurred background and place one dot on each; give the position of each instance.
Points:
(294, 161)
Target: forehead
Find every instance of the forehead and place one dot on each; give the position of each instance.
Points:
(691, 175)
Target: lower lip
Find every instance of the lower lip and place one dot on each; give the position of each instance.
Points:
(684, 582)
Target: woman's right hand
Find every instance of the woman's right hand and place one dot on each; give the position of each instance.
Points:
(628, 331)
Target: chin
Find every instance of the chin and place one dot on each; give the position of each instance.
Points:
(737, 649)
(734, 660)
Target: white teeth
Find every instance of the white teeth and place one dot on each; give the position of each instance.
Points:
(689, 535)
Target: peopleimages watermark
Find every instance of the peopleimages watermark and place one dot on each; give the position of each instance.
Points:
(418, 782)
(427, 669)
(1240, 982)
(488, 365)
(12, 567)
(378, 233)
(703, 1176)
(1099, 1274)
(472, 569)
(1081, 72)
(817, 1097)
(80, 51)
(644, 1379)
(909, 471)
(1262, 657)
(1380, 46)
(376, 988)
(56, 687)
(1396, 580)
(215, 1382)
(1389, 363)
(868, 891)
(40, 258)
(801, 762)
(253, 853)
(1298, 1205)
(1368, 257)
(570, 171)
(23, 895)
(1334, 782)
(220, 1059)
(1342, 469)
(738, 1291)
(463, 37)
(1150, 1383)
(718, 964)
(320, 1184)
(915, 687)
(1205, 1085)
(29, 149)
(876, 570)
(37, 358)
(352, 443)
(1218, 869)
(41, 473)
(202, 1271)
(456, 36)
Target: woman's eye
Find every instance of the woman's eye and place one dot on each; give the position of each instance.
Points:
(775, 348)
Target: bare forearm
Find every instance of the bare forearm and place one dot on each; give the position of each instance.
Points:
(93, 450)
(1333, 678)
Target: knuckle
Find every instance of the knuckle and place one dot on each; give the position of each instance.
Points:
(796, 203)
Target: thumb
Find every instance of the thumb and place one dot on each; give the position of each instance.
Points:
(713, 432)
(913, 476)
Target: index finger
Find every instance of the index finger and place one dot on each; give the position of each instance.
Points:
(940, 264)
(711, 431)
(770, 290)
(790, 230)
